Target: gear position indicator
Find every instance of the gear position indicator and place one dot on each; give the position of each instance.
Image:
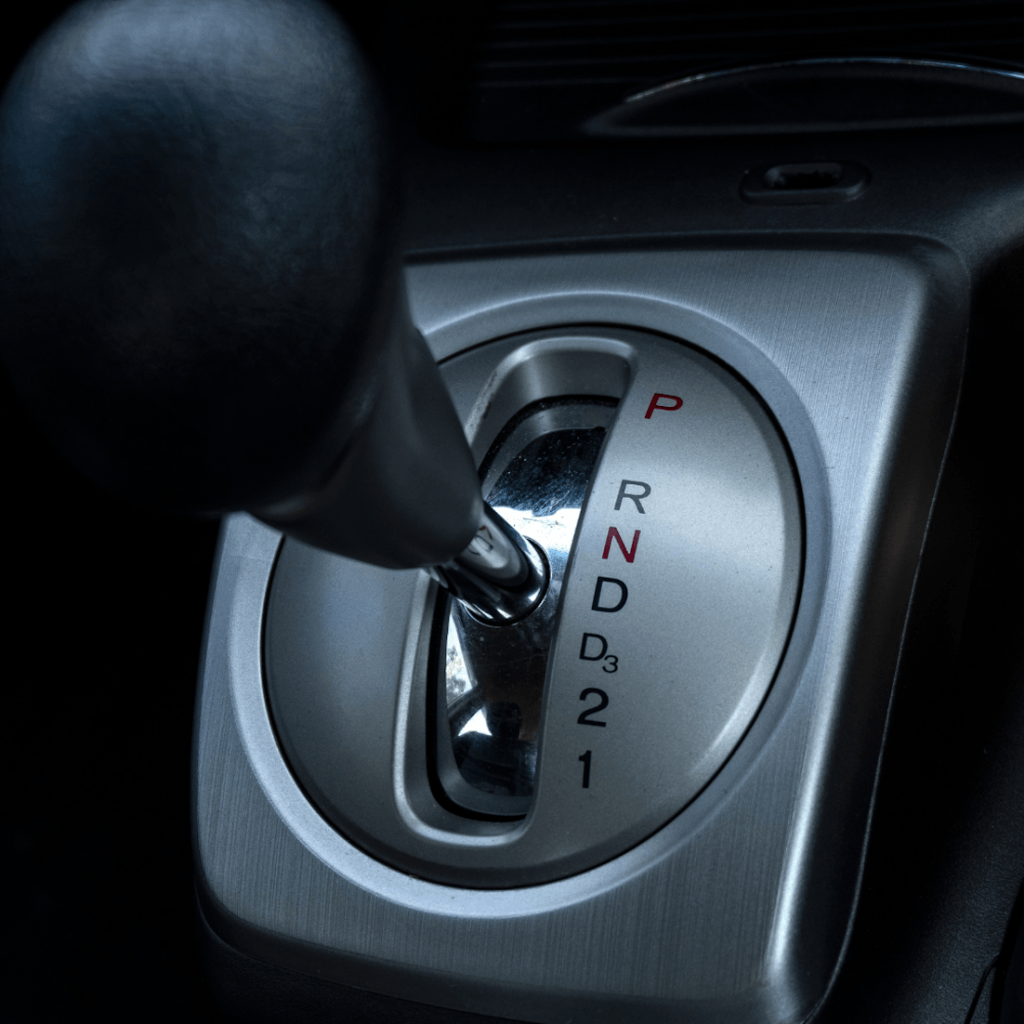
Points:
(676, 607)
(664, 501)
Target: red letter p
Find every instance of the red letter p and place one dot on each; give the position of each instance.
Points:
(670, 404)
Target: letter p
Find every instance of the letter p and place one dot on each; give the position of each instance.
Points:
(668, 403)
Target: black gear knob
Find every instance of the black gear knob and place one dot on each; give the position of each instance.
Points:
(200, 276)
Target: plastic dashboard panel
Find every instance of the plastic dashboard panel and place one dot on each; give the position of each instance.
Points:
(738, 908)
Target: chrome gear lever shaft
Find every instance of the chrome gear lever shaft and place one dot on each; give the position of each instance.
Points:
(501, 577)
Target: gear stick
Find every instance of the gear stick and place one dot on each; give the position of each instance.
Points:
(202, 294)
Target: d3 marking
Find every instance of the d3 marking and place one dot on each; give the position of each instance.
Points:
(595, 642)
(587, 646)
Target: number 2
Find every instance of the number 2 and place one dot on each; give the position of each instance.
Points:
(585, 718)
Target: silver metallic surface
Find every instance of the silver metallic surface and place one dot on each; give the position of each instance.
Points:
(736, 909)
(499, 577)
(489, 708)
(619, 120)
(676, 604)
(676, 84)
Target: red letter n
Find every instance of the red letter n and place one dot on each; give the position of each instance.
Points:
(613, 534)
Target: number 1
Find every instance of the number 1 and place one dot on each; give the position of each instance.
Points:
(585, 758)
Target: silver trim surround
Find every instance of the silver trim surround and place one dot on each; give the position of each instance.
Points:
(943, 65)
(615, 121)
(737, 909)
(697, 616)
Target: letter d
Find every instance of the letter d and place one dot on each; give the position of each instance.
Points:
(600, 654)
(597, 606)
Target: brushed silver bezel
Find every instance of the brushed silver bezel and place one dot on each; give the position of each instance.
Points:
(738, 908)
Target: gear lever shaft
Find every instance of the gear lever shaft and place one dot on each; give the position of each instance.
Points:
(201, 285)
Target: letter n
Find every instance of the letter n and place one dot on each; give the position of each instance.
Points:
(628, 554)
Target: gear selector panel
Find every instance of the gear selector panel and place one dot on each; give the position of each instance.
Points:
(664, 500)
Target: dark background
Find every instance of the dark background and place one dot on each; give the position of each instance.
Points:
(101, 628)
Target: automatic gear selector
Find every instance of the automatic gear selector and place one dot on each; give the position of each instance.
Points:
(638, 799)
(613, 755)
(205, 306)
(666, 506)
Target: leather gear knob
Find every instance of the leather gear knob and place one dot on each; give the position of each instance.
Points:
(200, 276)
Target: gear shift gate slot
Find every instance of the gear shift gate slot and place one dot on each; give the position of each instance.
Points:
(536, 476)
